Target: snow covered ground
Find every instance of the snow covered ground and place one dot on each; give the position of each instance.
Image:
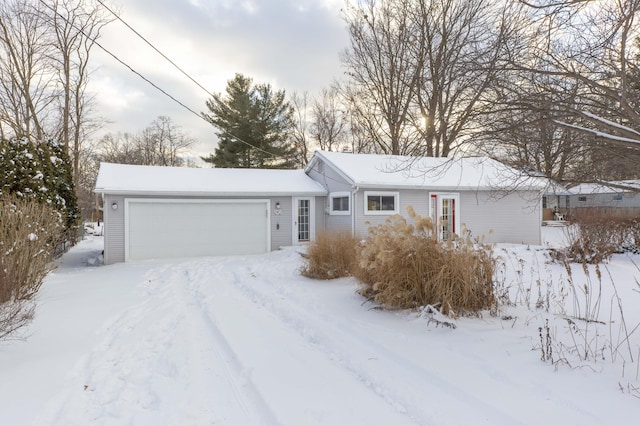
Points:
(248, 341)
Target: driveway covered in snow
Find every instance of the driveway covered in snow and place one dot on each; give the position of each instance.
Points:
(248, 341)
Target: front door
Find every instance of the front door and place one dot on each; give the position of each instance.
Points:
(303, 221)
(444, 209)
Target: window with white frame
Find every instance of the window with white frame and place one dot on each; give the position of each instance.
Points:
(339, 203)
(380, 203)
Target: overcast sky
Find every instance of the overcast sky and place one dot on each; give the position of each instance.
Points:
(292, 44)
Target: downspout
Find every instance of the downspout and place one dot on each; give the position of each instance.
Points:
(353, 210)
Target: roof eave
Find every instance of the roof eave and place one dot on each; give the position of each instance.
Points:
(140, 193)
(318, 154)
(382, 186)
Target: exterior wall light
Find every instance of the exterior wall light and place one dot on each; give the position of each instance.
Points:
(114, 205)
(278, 206)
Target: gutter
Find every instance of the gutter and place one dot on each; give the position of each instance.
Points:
(353, 209)
(207, 193)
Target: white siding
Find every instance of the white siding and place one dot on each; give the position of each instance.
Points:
(511, 218)
(114, 239)
(327, 176)
(418, 199)
(113, 230)
(281, 223)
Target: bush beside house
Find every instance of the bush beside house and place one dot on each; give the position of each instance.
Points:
(403, 265)
(38, 214)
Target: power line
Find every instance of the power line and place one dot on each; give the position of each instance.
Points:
(200, 116)
(95, 41)
(154, 48)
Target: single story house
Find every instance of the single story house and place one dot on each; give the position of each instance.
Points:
(615, 198)
(162, 212)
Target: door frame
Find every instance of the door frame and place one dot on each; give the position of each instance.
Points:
(312, 220)
(434, 215)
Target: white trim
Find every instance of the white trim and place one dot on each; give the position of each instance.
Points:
(128, 201)
(340, 194)
(396, 202)
(457, 208)
(294, 220)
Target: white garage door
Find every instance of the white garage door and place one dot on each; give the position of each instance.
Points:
(165, 228)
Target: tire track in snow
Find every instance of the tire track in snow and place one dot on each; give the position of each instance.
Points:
(425, 391)
(309, 392)
(332, 337)
(160, 362)
(245, 392)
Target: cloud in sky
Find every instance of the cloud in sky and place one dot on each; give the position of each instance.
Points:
(294, 45)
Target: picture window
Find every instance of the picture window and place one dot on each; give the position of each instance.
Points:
(381, 203)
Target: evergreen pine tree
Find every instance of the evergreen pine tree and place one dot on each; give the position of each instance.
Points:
(254, 123)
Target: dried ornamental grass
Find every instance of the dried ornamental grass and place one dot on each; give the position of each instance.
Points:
(331, 255)
(404, 266)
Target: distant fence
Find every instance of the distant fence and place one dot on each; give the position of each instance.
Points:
(576, 212)
(618, 212)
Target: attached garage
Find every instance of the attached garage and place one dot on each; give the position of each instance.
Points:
(174, 212)
(156, 228)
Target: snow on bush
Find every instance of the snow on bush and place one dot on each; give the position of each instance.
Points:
(29, 233)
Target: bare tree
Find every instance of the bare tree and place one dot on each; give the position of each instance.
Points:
(329, 124)
(26, 75)
(300, 128)
(120, 148)
(459, 51)
(44, 70)
(382, 71)
(162, 143)
(522, 128)
(593, 45)
(76, 24)
(420, 71)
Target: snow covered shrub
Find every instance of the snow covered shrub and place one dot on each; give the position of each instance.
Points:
(630, 236)
(330, 256)
(29, 233)
(404, 266)
(40, 171)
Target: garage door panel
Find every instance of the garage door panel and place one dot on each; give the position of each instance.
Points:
(187, 229)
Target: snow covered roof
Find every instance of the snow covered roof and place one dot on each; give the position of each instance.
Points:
(437, 173)
(555, 188)
(154, 180)
(611, 187)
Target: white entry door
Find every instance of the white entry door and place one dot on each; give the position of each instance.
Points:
(445, 214)
(303, 220)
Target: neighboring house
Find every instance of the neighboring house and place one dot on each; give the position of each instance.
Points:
(555, 202)
(616, 198)
(161, 212)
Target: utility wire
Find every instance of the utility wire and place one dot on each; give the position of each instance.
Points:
(95, 41)
(154, 48)
(184, 73)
